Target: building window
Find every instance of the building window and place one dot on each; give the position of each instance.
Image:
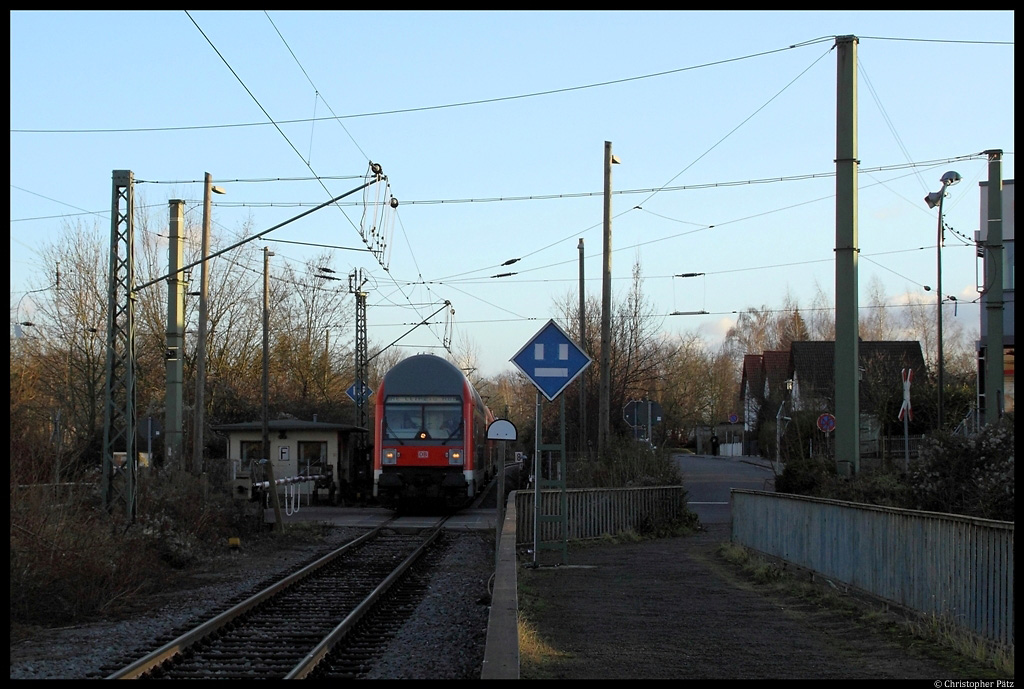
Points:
(312, 457)
(252, 450)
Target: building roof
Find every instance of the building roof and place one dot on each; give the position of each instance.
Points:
(814, 362)
(752, 378)
(289, 425)
(776, 370)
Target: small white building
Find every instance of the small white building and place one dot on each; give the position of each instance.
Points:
(297, 448)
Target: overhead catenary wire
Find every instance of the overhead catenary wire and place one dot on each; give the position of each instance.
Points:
(485, 101)
(359, 230)
(418, 271)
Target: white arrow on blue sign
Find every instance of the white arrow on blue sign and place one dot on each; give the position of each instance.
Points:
(551, 360)
(353, 392)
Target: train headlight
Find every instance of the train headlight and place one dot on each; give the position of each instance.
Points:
(389, 457)
(455, 457)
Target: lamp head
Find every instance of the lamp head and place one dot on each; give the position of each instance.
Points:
(950, 178)
(933, 198)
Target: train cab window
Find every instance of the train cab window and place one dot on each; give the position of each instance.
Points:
(431, 421)
(403, 421)
(444, 422)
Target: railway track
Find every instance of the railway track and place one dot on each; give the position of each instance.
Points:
(329, 619)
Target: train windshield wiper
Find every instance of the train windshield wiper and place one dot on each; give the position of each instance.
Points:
(458, 429)
(389, 435)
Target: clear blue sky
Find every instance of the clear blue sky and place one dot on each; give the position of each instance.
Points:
(503, 117)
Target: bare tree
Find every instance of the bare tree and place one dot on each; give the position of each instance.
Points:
(66, 350)
(312, 307)
(877, 322)
(821, 324)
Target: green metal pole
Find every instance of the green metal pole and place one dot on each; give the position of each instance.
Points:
(994, 376)
(847, 355)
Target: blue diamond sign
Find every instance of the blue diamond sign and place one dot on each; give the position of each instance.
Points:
(357, 394)
(551, 360)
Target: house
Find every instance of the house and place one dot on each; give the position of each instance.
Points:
(880, 389)
(751, 382)
(813, 370)
(803, 379)
(763, 378)
(297, 448)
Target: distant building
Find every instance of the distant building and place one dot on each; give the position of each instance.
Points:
(297, 448)
(803, 379)
(813, 371)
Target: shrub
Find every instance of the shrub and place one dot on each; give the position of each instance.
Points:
(625, 464)
(70, 560)
(805, 476)
(883, 488)
(972, 476)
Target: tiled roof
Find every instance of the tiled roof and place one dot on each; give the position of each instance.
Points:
(814, 362)
(777, 370)
(752, 378)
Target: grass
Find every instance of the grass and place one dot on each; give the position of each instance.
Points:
(947, 633)
(536, 655)
(931, 634)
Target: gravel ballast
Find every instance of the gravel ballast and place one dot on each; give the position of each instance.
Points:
(444, 638)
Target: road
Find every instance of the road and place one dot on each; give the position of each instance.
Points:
(709, 479)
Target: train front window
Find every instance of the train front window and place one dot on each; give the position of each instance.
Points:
(403, 421)
(439, 421)
(443, 421)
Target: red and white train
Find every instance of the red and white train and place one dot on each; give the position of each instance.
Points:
(430, 436)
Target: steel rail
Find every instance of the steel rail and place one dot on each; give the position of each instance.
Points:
(169, 650)
(307, 664)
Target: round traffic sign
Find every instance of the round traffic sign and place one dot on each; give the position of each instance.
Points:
(733, 418)
(826, 423)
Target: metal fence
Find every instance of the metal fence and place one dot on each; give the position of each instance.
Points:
(595, 512)
(896, 446)
(959, 569)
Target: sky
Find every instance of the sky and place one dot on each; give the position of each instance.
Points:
(490, 131)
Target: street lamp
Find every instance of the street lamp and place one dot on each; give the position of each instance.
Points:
(934, 199)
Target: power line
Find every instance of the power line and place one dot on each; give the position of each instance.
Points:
(533, 197)
(427, 108)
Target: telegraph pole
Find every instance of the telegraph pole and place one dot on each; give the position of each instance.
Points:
(204, 288)
(355, 286)
(604, 419)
